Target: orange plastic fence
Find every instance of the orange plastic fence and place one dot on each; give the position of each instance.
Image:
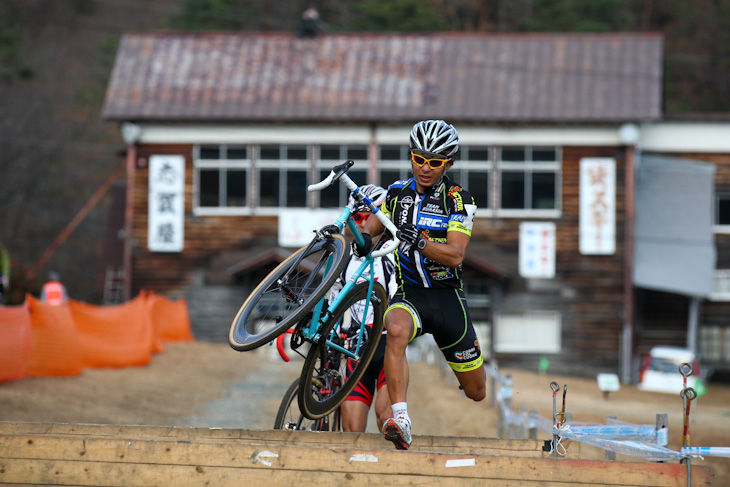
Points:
(14, 342)
(114, 336)
(55, 346)
(170, 319)
(38, 339)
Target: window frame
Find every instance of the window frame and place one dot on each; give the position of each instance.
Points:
(718, 227)
(528, 167)
(720, 292)
(463, 170)
(223, 165)
(283, 164)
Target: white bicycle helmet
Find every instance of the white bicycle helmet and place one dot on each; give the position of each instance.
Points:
(436, 137)
(375, 193)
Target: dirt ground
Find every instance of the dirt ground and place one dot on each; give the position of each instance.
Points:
(204, 384)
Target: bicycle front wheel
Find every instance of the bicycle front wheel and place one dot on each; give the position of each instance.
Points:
(331, 372)
(288, 293)
(290, 418)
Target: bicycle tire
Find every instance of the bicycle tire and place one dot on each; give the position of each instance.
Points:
(269, 310)
(290, 418)
(326, 367)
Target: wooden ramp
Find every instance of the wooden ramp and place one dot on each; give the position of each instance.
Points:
(102, 455)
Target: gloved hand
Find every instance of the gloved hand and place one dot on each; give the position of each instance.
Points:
(408, 234)
(362, 251)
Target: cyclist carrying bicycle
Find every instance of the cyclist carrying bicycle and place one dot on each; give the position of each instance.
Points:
(354, 411)
(434, 216)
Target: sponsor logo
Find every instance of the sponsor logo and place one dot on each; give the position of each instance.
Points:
(405, 204)
(440, 276)
(455, 194)
(470, 354)
(432, 222)
(454, 225)
(458, 218)
(432, 208)
(459, 201)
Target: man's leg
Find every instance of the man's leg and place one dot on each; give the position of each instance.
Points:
(474, 383)
(354, 416)
(383, 410)
(400, 325)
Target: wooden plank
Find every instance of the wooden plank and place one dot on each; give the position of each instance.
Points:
(484, 446)
(142, 453)
(66, 473)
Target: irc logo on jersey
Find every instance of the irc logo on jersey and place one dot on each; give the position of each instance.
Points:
(432, 222)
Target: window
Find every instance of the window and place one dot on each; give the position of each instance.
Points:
(283, 176)
(393, 164)
(722, 212)
(333, 155)
(473, 169)
(714, 344)
(506, 181)
(721, 285)
(477, 292)
(515, 181)
(222, 175)
(529, 332)
(529, 180)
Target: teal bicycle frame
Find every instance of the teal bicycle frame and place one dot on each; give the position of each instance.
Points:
(320, 316)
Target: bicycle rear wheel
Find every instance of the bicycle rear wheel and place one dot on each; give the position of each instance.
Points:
(328, 369)
(290, 418)
(288, 293)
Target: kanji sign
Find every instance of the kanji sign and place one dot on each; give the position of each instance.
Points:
(597, 206)
(166, 227)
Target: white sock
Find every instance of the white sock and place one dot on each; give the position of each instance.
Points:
(400, 410)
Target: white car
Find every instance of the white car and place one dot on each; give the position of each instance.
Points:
(660, 370)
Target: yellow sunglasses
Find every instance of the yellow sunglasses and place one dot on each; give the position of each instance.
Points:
(419, 160)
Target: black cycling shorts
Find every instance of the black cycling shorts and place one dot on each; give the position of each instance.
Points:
(443, 313)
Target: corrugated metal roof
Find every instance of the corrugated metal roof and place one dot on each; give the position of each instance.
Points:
(372, 77)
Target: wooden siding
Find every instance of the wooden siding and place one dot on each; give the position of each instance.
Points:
(587, 289)
(205, 237)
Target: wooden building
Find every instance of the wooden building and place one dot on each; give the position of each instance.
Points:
(563, 144)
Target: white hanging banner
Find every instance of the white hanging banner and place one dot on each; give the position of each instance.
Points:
(296, 226)
(597, 206)
(166, 227)
(537, 250)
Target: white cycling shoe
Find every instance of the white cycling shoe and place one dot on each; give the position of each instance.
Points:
(398, 430)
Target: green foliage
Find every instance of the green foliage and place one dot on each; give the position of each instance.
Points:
(21, 283)
(581, 16)
(83, 6)
(397, 16)
(90, 93)
(12, 63)
(213, 15)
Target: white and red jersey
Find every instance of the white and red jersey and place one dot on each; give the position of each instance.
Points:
(384, 268)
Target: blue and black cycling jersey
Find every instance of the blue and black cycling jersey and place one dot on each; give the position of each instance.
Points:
(442, 208)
